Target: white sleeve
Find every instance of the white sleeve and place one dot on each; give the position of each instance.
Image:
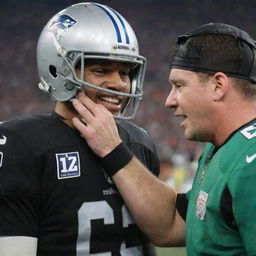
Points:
(18, 245)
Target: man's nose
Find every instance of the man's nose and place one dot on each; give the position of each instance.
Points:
(116, 82)
(171, 100)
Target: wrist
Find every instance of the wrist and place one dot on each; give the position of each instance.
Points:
(118, 158)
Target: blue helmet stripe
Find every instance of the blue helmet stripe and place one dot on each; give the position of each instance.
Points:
(118, 34)
(123, 25)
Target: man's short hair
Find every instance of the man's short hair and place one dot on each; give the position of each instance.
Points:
(217, 47)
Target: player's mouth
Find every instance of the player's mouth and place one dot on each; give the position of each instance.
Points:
(113, 104)
(182, 124)
(183, 119)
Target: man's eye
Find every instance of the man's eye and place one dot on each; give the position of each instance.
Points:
(100, 71)
(125, 73)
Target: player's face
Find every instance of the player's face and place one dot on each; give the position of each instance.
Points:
(191, 99)
(110, 75)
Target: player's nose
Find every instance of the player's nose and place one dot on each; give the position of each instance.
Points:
(171, 100)
(116, 82)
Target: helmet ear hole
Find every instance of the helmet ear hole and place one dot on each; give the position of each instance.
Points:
(53, 71)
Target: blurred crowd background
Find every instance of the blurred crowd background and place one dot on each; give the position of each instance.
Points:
(157, 24)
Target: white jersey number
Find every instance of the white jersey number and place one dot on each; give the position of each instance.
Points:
(249, 132)
(100, 210)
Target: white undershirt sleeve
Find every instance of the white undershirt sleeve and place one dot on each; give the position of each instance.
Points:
(18, 246)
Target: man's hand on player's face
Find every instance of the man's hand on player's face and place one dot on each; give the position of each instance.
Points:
(96, 124)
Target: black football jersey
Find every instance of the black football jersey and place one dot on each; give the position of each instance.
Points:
(53, 187)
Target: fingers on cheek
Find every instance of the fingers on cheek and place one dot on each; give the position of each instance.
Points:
(81, 127)
(75, 121)
(80, 108)
(76, 104)
(85, 100)
(102, 111)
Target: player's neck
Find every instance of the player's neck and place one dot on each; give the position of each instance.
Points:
(66, 110)
(243, 113)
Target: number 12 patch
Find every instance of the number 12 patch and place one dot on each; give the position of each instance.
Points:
(68, 165)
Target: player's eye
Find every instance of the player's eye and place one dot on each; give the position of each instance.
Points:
(124, 73)
(100, 71)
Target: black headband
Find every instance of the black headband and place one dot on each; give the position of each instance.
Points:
(245, 68)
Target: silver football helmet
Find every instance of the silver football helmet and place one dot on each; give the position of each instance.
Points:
(87, 31)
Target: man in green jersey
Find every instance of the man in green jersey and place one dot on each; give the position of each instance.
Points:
(213, 88)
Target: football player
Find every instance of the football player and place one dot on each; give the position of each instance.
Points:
(56, 198)
(213, 88)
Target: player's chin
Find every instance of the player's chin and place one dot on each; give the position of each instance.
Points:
(194, 135)
(189, 134)
(115, 113)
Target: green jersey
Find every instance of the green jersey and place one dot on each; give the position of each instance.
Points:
(232, 168)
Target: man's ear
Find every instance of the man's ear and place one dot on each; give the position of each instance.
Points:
(221, 85)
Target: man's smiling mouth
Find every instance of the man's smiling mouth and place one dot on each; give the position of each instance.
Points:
(112, 100)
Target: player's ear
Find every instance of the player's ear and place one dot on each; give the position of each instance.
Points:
(221, 85)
